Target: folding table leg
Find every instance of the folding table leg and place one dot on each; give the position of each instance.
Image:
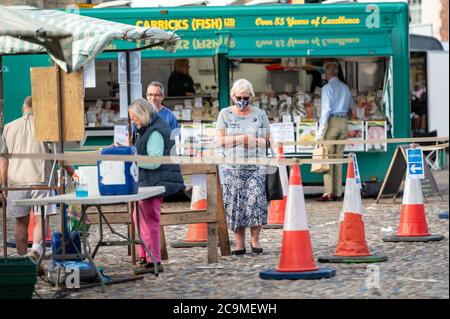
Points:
(43, 235)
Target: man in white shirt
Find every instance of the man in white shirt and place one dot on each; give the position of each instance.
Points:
(336, 101)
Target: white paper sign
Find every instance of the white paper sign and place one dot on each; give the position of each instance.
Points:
(135, 67)
(123, 97)
(188, 103)
(186, 115)
(112, 173)
(273, 101)
(120, 135)
(198, 102)
(136, 91)
(264, 99)
(306, 132)
(89, 74)
(286, 118)
(283, 132)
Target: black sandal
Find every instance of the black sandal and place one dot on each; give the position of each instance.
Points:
(257, 250)
(239, 252)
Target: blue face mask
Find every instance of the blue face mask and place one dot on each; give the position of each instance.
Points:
(242, 104)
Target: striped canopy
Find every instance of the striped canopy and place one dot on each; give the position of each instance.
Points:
(70, 39)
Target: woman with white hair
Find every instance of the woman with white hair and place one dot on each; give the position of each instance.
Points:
(153, 139)
(242, 132)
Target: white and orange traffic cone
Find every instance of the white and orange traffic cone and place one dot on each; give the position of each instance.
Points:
(413, 222)
(352, 246)
(296, 259)
(277, 208)
(197, 234)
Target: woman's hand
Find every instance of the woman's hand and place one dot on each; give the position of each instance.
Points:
(249, 141)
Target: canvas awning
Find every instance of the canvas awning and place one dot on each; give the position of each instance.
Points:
(71, 40)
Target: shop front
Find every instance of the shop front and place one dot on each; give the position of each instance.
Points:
(280, 49)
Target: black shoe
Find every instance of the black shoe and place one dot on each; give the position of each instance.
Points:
(239, 252)
(257, 250)
(148, 268)
(151, 266)
(143, 262)
(327, 198)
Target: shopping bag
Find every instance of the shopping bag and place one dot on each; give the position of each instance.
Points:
(320, 152)
(274, 188)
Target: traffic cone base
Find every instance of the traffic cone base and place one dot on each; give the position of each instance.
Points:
(352, 260)
(443, 215)
(273, 226)
(315, 274)
(397, 238)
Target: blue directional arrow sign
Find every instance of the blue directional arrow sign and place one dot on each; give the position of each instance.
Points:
(415, 164)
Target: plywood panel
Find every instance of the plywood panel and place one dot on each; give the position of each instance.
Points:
(72, 93)
(44, 88)
(43, 91)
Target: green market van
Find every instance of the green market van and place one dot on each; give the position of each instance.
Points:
(268, 45)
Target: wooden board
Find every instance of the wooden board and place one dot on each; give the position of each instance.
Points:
(44, 89)
(45, 103)
(72, 90)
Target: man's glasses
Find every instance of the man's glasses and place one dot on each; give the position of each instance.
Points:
(154, 95)
(245, 98)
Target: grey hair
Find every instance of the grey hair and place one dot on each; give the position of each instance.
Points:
(158, 84)
(143, 109)
(331, 68)
(241, 85)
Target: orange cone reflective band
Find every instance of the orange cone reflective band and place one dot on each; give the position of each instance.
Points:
(296, 251)
(277, 208)
(352, 238)
(413, 221)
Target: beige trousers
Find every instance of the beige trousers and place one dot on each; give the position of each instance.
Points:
(336, 130)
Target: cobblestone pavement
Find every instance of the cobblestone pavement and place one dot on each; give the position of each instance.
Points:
(414, 270)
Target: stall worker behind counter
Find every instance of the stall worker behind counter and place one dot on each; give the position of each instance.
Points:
(180, 82)
(316, 70)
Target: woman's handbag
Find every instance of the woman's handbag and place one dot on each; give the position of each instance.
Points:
(320, 152)
(274, 188)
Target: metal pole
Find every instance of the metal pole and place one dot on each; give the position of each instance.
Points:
(130, 205)
(2, 121)
(61, 150)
